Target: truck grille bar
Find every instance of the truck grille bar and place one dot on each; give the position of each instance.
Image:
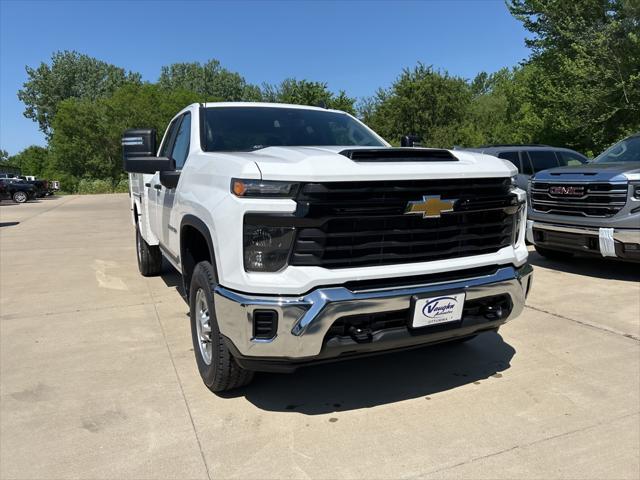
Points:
(357, 224)
(582, 199)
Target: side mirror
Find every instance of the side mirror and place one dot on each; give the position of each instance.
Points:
(139, 150)
(410, 141)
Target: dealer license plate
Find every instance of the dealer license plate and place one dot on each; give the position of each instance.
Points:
(436, 310)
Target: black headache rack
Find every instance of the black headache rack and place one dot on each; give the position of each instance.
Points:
(399, 155)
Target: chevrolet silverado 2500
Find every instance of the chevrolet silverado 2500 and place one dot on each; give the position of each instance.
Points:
(303, 237)
(591, 209)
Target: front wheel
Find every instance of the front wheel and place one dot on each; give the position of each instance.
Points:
(149, 256)
(217, 367)
(20, 197)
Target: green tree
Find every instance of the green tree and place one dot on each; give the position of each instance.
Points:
(304, 92)
(33, 160)
(586, 56)
(211, 81)
(4, 155)
(425, 102)
(86, 134)
(70, 75)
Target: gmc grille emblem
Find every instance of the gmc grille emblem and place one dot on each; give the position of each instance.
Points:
(569, 190)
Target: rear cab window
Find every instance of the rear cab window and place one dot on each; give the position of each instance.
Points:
(542, 159)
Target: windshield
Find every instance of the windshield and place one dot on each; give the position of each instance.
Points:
(627, 150)
(252, 128)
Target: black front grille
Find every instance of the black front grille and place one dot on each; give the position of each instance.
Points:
(581, 199)
(353, 224)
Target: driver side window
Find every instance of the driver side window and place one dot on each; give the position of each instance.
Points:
(181, 145)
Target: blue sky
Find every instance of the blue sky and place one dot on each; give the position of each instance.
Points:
(357, 46)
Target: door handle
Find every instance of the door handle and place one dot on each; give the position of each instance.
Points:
(157, 186)
(147, 185)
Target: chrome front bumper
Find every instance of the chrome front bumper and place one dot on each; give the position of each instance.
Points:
(304, 321)
(606, 236)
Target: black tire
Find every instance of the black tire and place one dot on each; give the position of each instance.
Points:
(553, 254)
(149, 256)
(222, 372)
(20, 197)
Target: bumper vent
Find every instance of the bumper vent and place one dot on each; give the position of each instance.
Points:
(265, 324)
(580, 199)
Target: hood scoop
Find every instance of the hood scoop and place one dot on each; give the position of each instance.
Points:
(399, 155)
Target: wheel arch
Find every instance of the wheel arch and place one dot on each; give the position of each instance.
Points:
(196, 245)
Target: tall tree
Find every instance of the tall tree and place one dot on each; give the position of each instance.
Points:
(425, 102)
(70, 75)
(210, 80)
(304, 92)
(587, 56)
(32, 160)
(86, 134)
(4, 155)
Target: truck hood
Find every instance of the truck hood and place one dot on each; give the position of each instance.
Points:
(327, 164)
(593, 172)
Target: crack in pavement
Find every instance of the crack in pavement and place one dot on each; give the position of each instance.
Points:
(527, 445)
(48, 209)
(175, 370)
(11, 316)
(586, 324)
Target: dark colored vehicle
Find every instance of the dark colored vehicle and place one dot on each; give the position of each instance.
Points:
(530, 159)
(590, 209)
(18, 190)
(42, 187)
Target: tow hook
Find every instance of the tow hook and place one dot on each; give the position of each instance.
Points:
(361, 335)
(493, 312)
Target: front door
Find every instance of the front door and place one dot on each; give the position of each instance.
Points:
(166, 196)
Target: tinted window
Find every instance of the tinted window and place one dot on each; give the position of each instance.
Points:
(169, 137)
(181, 145)
(627, 150)
(569, 157)
(513, 158)
(542, 159)
(252, 128)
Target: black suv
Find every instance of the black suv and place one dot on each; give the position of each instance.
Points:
(530, 159)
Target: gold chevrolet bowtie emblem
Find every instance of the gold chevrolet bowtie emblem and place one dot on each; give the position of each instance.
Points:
(431, 206)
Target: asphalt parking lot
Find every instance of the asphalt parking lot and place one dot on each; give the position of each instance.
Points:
(98, 378)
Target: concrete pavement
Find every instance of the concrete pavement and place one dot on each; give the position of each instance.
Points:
(98, 378)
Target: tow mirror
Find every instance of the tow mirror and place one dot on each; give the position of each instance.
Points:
(139, 150)
(410, 141)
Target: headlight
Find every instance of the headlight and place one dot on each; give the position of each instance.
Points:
(266, 249)
(635, 190)
(263, 188)
(514, 181)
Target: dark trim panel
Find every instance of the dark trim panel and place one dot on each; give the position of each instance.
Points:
(168, 254)
(195, 222)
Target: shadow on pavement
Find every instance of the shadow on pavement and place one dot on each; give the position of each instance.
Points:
(8, 224)
(372, 381)
(172, 278)
(589, 266)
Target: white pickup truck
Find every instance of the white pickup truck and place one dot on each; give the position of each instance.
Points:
(302, 236)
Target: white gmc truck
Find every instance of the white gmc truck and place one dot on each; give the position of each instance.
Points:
(303, 237)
